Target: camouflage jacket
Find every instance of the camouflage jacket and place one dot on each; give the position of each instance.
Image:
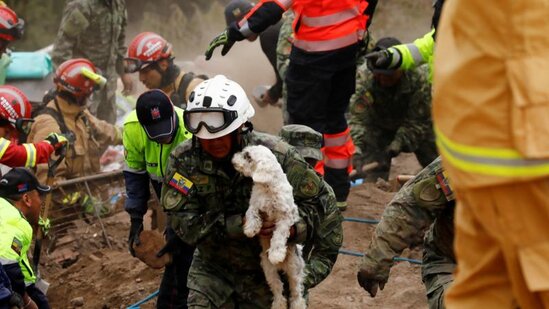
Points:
(207, 200)
(404, 110)
(284, 45)
(93, 29)
(420, 204)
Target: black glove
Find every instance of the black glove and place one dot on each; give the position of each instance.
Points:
(393, 149)
(370, 281)
(172, 243)
(383, 59)
(16, 300)
(135, 229)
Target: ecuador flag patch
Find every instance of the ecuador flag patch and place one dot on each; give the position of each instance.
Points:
(181, 184)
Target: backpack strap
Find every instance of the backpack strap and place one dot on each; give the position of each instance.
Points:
(179, 97)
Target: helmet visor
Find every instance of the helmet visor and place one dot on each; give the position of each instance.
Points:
(133, 65)
(213, 119)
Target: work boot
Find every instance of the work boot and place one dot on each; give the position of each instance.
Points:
(342, 206)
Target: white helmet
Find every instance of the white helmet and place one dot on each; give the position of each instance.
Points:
(217, 107)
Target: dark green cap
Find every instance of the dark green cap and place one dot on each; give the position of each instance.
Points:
(306, 140)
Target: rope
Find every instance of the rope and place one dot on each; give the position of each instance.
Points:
(144, 300)
(396, 258)
(361, 220)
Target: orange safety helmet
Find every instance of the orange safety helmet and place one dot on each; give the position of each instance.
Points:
(145, 49)
(15, 108)
(11, 27)
(69, 78)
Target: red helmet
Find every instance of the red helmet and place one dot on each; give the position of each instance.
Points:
(15, 108)
(69, 77)
(146, 48)
(11, 27)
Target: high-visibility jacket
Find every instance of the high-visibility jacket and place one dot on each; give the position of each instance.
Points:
(320, 25)
(417, 53)
(145, 159)
(491, 100)
(28, 155)
(15, 241)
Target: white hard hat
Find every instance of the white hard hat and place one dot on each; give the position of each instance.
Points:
(217, 107)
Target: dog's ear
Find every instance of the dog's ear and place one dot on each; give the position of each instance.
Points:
(263, 171)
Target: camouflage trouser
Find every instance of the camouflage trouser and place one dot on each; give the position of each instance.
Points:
(103, 102)
(378, 140)
(217, 288)
(437, 272)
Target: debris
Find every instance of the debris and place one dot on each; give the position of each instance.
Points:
(77, 301)
(151, 243)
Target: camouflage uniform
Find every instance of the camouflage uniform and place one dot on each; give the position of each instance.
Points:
(226, 269)
(421, 204)
(306, 141)
(400, 115)
(95, 30)
(283, 49)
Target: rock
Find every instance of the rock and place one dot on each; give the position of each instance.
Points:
(77, 301)
(138, 280)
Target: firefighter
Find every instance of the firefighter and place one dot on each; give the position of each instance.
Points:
(152, 56)
(15, 113)
(67, 114)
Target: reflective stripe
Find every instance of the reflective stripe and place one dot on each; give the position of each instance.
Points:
(7, 261)
(490, 161)
(31, 155)
(133, 170)
(416, 54)
(4, 144)
(336, 141)
(325, 45)
(245, 28)
(285, 4)
(337, 163)
(332, 19)
(156, 177)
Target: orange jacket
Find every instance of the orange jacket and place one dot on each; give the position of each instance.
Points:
(28, 155)
(320, 25)
(491, 99)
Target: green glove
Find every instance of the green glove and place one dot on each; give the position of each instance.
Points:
(45, 225)
(58, 141)
(221, 39)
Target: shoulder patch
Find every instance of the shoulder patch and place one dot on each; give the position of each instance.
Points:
(180, 183)
(310, 184)
(16, 246)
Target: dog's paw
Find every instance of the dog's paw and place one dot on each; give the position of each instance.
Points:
(277, 255)
(279, 303)
(251, 229)
(298, 303)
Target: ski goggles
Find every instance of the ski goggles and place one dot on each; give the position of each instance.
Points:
(16, 31)
(214, 119)
(22, 125)
(135, 65)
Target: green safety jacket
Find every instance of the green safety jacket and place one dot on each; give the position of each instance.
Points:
(417, 53)
(146, 160)
(15, 241)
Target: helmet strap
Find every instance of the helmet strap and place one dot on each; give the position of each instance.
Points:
(69, 97)
(169, 75)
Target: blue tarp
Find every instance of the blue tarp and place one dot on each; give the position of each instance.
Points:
(29, 65)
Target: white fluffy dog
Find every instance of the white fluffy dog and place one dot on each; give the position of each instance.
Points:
(272, 200)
